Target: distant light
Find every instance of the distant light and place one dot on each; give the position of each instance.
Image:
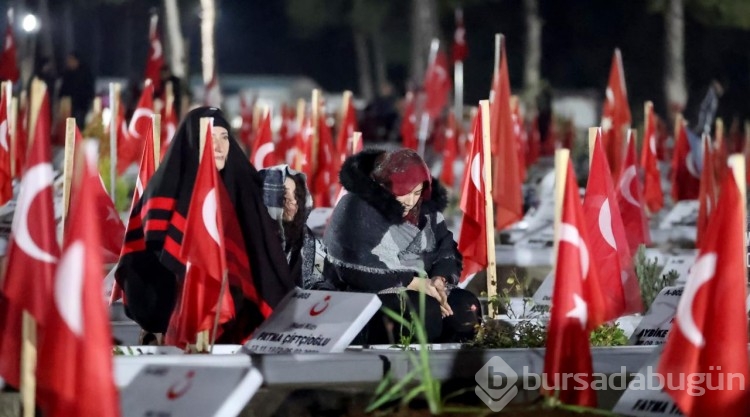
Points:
(30, 23)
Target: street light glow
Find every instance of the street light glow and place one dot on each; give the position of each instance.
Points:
(29, 23)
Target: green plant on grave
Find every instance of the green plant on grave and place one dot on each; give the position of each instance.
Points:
(608, 334)
(514, 286)
(650, 278)
(419, 380)
(498, 334)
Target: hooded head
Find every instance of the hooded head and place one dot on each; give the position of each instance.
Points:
(405, 175)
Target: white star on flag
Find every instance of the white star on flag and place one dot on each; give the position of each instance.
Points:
(580, 311)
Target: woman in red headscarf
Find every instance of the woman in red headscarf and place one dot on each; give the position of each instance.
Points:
(388, 236)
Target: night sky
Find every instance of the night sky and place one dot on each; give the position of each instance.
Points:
(257, 37)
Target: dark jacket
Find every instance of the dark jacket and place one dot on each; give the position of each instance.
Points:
(371, 248)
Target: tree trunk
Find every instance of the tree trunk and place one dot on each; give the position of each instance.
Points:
(381, 74)
(424, 28)
(363, 66)
(175, 41)
(533, 54)
(675, 88)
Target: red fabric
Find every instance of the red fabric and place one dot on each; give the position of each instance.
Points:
(630, 200)
(652, 191)
(577, 304)
(472, 240)
(33, 250)
(8, 65)
(707, 193)
(409, 123)
(437, 85)
(401, 171)
(450, 151)
(326, 173)
(246, 129)
(263, 150)
(155, 60)
(460, 49)
(75, 349)
(20, 145)
(345, 133)
(140, 122)
(6, 176)
(128, 147)
(521, 139)
(506, 182)
(608, 242)
(203, 251)
(685, 177)
(287, 136)
(301, 148)
(615, 115)
(709, 331)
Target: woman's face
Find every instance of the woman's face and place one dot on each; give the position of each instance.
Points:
(410, 199)
(290, 200)
(221, 146)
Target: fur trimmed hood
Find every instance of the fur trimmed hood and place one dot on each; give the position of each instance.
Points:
(355, 176)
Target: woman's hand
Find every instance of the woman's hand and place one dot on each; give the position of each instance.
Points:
(425, 286)
(440, 285)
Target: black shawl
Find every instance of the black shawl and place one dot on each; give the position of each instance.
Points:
(150, 268)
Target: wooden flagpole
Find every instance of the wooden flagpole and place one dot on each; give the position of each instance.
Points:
(345, 100)
(70, 144)
(737, 163)
(202, 338)
(489, 217)
(561, 172)
(424, 123)
(29, 328)
(356, 138)
(156, 126)
(592, 142)
(300, 113)
(114, 104)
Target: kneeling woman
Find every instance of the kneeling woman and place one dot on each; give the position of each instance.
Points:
(388, 236)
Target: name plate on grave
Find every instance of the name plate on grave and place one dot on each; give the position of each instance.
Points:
(654, 327)
(644, 396)
(308, 321)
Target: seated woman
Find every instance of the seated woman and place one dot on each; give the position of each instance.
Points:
(284, 192)
(151, 270)
(388, 236)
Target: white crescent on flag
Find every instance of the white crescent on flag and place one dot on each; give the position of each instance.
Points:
(208, 211)
(4, 135)
(34, 181)
(626, 183)
(260, 155)
(476, 172)
(135, 121)
(156, 47)
(605, 224)
(69, 287)
(569, 234)
(701, 272)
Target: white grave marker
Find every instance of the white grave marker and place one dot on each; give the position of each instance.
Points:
(654, 327)
(308, 321)
(644, 396)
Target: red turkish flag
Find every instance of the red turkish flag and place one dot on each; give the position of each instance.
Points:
(609, 243)
(437, 85)
(22, 135)
(460, 49)
(707, 194)
(75, 350)
(128, 147)
(108, 218)
(33, 250)
(521, 137)
(577, 305)
(409, 123)
(141, 119)
(346, 132)
(8, 66)
(324, 175)
(203, 250)
(6, 176)
(652, 191)
(155, 60)
(264, 152)
(450, 151)
(506, 182)
(709, 331)
(472, 241)
(302, 147)
(615, 115)
(630, 200)
(685, 177)
(287, 136)
(246, 129)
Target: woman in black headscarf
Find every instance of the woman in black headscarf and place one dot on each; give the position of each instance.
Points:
(151, 270)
